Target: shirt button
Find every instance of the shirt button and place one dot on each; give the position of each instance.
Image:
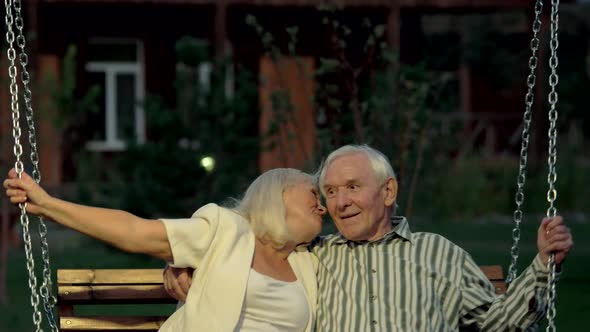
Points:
(373, 270)
(374, 322)
(374, 297)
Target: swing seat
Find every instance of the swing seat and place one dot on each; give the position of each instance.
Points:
(137, 287)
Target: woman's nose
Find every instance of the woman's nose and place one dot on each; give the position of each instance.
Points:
(321, 209)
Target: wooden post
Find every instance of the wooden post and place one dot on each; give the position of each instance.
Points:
(220, 32)
(49, 136)
(294, 141)
(392, 28)
(393, 25)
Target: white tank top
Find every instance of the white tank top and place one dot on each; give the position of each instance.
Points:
(273, 305)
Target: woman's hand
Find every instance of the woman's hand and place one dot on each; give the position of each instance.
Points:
(25, 190)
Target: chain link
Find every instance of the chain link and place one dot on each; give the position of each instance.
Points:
(552, 158)
(49, 300)
(521, 179)
(18, 150)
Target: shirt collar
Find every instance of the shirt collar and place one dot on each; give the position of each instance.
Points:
(400, 227)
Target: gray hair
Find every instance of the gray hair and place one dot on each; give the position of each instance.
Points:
(380, 164)
(263, 205)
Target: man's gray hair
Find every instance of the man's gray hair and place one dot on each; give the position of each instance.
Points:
(379, 162)
(263, 205)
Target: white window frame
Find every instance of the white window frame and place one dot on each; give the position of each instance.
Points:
(111, 70)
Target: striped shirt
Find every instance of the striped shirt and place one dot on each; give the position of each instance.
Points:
(418, 282)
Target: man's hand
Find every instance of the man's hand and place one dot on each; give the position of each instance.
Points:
(177, 281)
(554, 237)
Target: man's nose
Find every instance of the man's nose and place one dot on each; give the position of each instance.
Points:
(342, 199)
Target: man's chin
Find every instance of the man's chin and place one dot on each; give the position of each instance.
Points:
(352, 236)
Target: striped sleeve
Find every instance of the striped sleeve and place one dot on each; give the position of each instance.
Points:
(520, 308)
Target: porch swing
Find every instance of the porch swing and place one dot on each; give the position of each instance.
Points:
(145, 286)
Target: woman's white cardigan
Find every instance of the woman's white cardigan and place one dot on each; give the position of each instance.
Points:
(219, 245)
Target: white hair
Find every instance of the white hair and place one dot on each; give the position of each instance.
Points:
(263, 205)
(379, 163)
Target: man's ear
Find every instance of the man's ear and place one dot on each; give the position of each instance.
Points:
(390, 189)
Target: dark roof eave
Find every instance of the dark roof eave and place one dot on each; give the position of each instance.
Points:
(442, 4)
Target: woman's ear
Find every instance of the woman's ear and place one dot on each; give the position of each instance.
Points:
(390, 189)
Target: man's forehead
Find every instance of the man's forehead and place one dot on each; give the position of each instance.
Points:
(351, 161)
(347, 169)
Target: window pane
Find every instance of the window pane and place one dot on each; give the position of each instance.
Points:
(97, 120)
(126, 102)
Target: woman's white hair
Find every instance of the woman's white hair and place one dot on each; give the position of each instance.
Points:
(263, 205)
(380, 164)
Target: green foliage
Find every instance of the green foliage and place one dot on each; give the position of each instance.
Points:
(191, 51)
(495, 54)
(366, 96)
(574, 79)
(474, 185)
(572, 175)
(164, 177)
(471, 187)
(404, 111)
(67, 109)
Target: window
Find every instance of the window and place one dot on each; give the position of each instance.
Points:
(116, 66)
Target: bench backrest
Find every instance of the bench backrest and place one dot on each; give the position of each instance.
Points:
(139, 287)
(109, 286)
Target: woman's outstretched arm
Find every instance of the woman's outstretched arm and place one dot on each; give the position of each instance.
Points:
(116, 227)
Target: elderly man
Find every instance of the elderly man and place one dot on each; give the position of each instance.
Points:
(376, 275)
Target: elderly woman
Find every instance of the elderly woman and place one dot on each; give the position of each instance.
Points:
(248, 275)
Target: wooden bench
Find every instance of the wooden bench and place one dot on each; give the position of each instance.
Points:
(139, 287)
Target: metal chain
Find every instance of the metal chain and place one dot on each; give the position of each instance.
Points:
(521, 179)
(49, 300)
(18, 150)
(552, 158)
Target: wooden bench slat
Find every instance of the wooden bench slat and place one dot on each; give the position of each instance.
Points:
(154, 276)
(110, 276)
(114, 294)
(111, 323)
(493, 272)
(500, 287)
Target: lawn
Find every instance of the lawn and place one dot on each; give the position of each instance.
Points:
(488, 242)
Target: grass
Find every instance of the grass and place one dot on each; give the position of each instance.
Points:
(488, 242)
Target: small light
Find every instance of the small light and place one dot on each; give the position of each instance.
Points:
(208, 163)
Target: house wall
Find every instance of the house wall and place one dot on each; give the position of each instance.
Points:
(158, 24)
